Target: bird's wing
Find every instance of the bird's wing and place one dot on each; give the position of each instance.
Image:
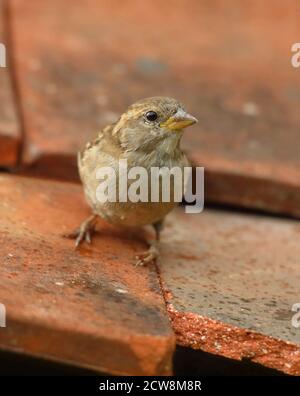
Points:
(104, 144)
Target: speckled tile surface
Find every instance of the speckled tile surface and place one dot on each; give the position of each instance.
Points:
(230, 280)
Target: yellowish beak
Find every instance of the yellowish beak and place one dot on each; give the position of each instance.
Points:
(179, 121)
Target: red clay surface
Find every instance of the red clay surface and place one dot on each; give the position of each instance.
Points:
(90, 307)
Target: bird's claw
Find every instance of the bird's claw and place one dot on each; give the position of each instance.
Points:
(147, 257)
(83, 233)
(79, 236)
(88, 237)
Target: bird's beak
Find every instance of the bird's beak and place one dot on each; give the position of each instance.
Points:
(178, 121)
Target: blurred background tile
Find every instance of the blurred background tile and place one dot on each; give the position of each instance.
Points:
(230, 63)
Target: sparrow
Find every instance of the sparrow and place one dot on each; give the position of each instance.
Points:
(147, 135)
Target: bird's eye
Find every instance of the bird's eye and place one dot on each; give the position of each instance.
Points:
(151, 115)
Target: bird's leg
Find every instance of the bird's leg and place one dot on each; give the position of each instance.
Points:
(152, 253)
(85, 231)
(158, 226)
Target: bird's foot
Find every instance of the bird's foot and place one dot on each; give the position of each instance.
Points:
(84, 232)
(148, 256)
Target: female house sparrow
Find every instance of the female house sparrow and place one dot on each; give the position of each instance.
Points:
(147, 135)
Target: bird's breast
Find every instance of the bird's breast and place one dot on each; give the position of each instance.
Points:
(142, 182)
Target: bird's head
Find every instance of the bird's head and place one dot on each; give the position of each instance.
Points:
(150, 121)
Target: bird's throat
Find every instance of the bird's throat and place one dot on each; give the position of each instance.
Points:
(171, 142)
